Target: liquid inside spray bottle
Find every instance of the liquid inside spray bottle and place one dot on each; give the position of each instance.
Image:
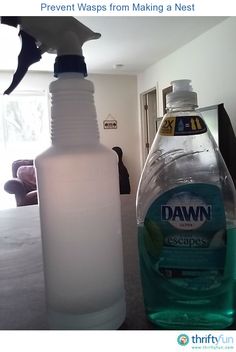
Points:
(78, 186)
(186, 222)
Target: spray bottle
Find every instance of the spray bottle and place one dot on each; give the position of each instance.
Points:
(78, 185)
(186, 222)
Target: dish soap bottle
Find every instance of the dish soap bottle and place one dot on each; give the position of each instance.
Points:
(78, 188)
(186, 222)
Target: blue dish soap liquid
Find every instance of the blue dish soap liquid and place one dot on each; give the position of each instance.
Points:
(186, 222)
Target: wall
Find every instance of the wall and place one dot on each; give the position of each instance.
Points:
(209, 61)
(115, 95)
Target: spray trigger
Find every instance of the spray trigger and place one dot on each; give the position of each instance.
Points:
(63, 36)
(29, 54)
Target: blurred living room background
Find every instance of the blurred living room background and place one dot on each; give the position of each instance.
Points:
(131, 65)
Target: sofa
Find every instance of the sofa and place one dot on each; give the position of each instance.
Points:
(23, 182)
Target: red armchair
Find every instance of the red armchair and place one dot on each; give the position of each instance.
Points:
(23, 183)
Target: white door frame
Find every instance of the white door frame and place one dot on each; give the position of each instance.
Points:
(144, 123)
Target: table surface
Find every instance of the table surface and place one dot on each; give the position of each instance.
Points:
(22, 302)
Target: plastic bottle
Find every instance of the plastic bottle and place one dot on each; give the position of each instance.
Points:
(78, 188)
(186, 222)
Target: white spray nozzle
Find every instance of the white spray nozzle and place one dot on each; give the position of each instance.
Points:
(60, 35)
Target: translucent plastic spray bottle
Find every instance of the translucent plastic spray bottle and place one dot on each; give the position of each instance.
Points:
(186, 222)
(78, 186)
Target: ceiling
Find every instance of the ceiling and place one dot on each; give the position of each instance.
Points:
(134, 42)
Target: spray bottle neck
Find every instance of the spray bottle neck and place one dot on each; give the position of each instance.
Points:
(73, 113)
(69, 75)
(70, 63)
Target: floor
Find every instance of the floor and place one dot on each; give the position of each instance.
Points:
(6, 200)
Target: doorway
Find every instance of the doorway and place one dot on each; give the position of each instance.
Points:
(150, 121)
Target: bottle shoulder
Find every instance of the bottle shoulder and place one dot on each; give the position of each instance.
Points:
(96, 151)
(184, 112)
(180, 160)
(71, 83)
